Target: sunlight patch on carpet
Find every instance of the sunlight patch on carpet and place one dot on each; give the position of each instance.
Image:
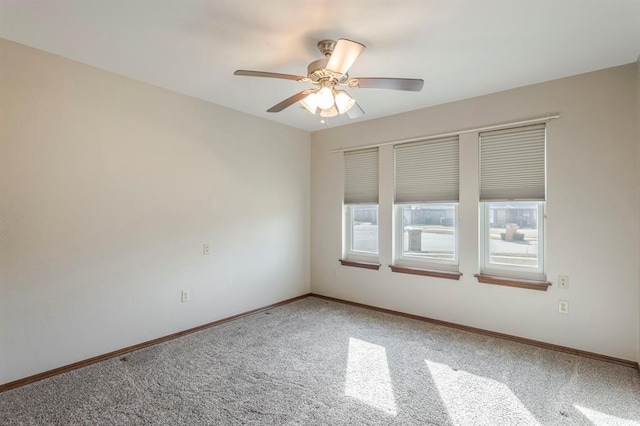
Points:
(368, 379)
(473, 400)
(598, 418)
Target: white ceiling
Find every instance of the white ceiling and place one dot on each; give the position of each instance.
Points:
(461, 48)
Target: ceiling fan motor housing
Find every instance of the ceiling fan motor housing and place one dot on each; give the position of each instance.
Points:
(317, 71)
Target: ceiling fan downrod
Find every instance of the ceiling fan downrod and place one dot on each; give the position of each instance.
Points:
(326, 47)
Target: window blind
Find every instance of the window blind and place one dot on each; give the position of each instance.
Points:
(427, 171)
(512, 164)
(361, 176)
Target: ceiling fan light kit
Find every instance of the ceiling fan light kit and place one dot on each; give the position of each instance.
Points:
(343, 101)
(310, 103)
(329, 112)
(324, 96)
(332, 71)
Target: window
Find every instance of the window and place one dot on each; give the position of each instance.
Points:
(512, 195)
(360, 242)
(426, 204)
(513, 236)
(361, 238)
(428, 233)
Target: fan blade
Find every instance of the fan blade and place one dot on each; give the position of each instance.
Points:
(355, 111)
(268, 74)
(411, 84)
(344, 55)
(289, 101)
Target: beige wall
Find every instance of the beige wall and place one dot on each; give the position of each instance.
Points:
(638, 181)
(108, 189)
(592, 211)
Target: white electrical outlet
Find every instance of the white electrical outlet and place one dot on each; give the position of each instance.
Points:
(206, 249)
(335, 273)
(563, 306)
(186, 296)
(563, 281)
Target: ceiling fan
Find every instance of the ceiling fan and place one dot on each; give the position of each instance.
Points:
(329, 73)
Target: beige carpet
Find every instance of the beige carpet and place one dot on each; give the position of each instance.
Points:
(315, 362)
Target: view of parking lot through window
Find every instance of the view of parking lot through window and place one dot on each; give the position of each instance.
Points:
(513, 234)
(365, 228)
(429, 231)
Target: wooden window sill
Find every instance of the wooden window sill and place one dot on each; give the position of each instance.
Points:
(359, 264)
(513, 282)
(426, 272)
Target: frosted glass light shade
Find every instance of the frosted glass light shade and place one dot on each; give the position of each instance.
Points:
(344, 102)
(310, 103)
(324, 98)
(329, 112)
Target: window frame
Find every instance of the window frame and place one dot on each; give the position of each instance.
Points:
(511, 271)
(426, 173)
(361, 188)
(512, 169)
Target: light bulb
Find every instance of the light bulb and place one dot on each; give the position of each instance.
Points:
(324, 98)
(329, 112)
(310, 103)
(344, 102)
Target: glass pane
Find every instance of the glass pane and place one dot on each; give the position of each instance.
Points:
(365, 228)
(429, 231)
(513, 234)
